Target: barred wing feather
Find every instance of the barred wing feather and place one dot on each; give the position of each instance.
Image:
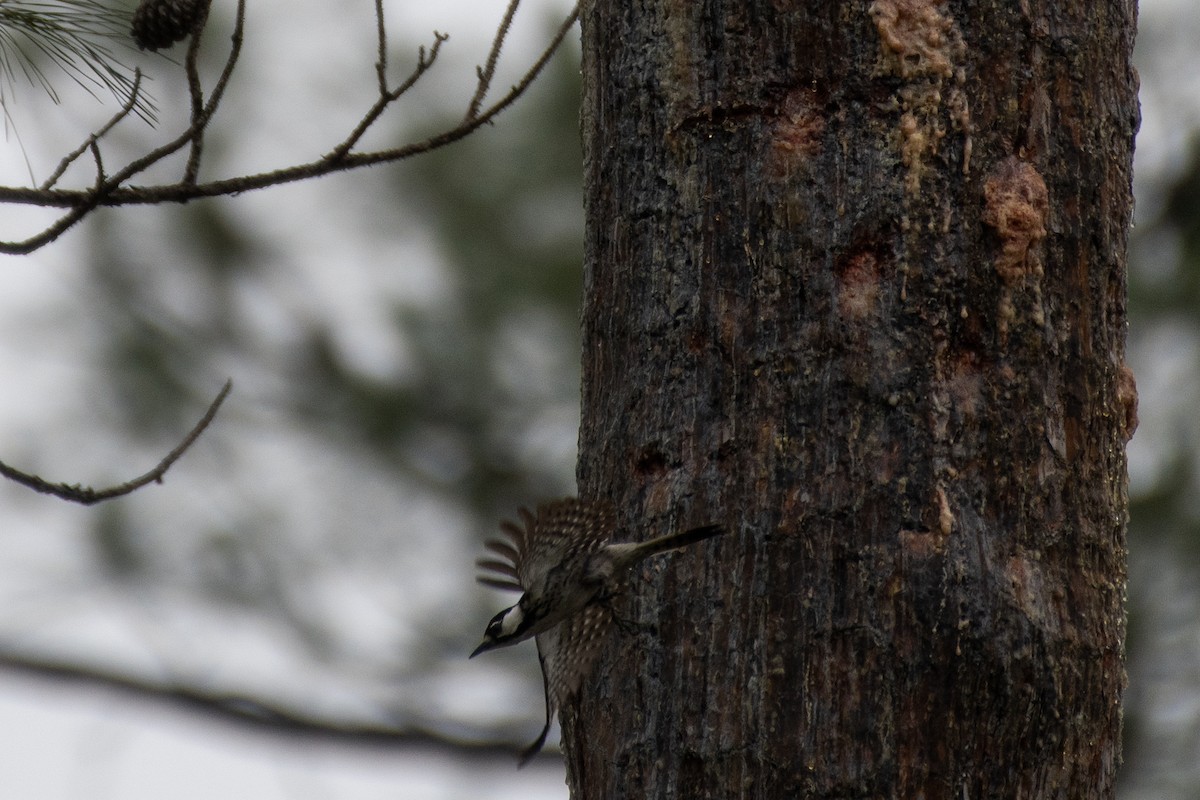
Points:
(560, 531)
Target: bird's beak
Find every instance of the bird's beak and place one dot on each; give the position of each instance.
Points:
(484, 646)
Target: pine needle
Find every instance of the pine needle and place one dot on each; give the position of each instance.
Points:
(71, 37)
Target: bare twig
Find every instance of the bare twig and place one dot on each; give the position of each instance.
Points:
(196, 93)
(264, 715)
(381, 33)
(115, 191)
(130, 104)
(87, 496)
(386, 98)
(99, 159)
(488, 71)
(199, 122)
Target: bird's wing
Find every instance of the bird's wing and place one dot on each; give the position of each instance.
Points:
(567, 652)
(505, 572)
(560, 535)
(559, 532)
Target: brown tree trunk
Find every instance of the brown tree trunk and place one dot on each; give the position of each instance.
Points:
(856, 288)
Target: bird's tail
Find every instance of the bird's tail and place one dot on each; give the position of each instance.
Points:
(529, 752)
(673, 541)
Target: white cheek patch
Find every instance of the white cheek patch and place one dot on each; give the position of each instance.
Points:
(511, 621)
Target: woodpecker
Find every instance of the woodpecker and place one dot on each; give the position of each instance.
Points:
(568, 569)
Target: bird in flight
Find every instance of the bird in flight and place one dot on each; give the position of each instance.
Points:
(568, 569)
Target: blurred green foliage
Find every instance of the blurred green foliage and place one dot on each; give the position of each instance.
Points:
(505, 212)
(479, 413)
(1162, 738)
(1164, 303)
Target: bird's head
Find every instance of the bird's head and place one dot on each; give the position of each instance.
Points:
(507, 627)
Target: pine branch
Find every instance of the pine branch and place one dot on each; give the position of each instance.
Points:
(116, 190)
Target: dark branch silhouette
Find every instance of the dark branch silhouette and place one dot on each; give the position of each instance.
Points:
(115, 189)
(269, 717)
(87, 496)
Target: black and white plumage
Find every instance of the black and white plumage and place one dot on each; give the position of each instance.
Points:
(565, 564)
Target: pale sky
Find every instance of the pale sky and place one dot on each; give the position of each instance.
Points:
(68, 743)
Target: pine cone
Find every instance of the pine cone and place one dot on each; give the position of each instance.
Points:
(162, 23)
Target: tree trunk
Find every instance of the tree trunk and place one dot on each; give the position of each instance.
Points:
(855, 287)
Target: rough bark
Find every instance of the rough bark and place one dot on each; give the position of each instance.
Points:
(855, 287)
